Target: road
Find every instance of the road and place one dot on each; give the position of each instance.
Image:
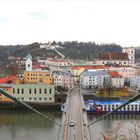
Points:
(75, 114)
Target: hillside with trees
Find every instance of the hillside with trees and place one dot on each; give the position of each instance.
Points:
(72, 50)
(86, 50)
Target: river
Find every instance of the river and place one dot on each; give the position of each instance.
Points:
(26, 125)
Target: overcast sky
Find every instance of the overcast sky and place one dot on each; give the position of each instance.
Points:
(102, 21)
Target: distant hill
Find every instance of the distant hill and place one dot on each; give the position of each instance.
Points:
(73, 50)
(86, 50)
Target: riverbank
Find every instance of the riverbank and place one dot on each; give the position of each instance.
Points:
(13, 105)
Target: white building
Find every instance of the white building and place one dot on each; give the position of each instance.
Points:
(125, 72)
(116, 80)
(135, 82)
(59, 65)
(34, 93)
(131, 55)
(124, 58)
(93, 78)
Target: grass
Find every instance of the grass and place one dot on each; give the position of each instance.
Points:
(113, 93)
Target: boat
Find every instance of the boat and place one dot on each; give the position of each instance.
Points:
(98, 107)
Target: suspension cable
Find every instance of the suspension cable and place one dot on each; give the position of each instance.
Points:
(27, 106)
(127, 102)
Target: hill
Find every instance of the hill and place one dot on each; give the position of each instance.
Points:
(72, 50)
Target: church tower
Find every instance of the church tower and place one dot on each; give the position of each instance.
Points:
(131, 55)
(28, 62)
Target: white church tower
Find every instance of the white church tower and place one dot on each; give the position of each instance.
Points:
(28, 62)
(131, 55)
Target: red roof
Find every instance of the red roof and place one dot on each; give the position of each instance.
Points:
(35, 66)
(114, 56)
(7, 79)
(114, 74)
(90, 67)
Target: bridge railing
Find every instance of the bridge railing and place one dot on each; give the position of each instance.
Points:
(65, 119)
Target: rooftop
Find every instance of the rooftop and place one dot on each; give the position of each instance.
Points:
(94, 73)
(114, 74)
(113, 56)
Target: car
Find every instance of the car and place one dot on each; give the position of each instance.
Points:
(72, 123)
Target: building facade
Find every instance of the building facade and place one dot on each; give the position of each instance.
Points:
(34, 93)
(116, 80)
(8, 89)
(64, 79)
(131, 55)
(125, 72)
(93, 78)
(135, 82)
(38, 76)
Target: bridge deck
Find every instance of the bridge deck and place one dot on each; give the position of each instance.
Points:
(74, 111)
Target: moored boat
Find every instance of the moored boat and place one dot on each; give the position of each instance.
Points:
(94, 106)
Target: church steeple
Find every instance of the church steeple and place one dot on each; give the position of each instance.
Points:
(28, 62)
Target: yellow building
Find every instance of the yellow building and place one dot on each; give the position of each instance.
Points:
(76, 72)
(8, 89)
(38, 76)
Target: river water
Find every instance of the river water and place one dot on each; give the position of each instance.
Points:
(26, 125)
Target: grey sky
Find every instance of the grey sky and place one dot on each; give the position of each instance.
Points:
(102, 21)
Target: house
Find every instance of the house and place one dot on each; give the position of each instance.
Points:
(114, 59)
(34, 93)
(93, 78)
(125, 71)
(76, 72)
(116, 80)
(38, 77)
(59, 65)
(135, 82)
(124, 58)
(63, 79)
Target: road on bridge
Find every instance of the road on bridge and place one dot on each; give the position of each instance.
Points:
(75, 113)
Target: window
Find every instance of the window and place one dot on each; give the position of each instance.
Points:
(40, 98)
(40, 91)
(35, 98)
(30, 98)
(22, 90)
(18, 91)
(30, 91)
(135, 107)
(108, 107)
(34, 91)
(22, 98)
(128, 108)
(50, 98)
(13, 91)
(50, 91)
(45, 91)
(45, 98)
(132, 107)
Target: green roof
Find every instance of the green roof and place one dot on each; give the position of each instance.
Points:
(28, 56)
